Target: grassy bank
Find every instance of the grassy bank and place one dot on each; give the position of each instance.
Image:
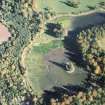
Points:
(60, 6)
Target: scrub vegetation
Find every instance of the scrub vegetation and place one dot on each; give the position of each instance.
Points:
(13, 88)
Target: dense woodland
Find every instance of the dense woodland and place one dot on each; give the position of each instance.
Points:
(92, 47)
(22, 23)
(91, 43)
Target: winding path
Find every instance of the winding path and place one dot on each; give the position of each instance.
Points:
(75, 15)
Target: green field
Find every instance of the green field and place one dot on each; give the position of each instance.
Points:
(35, 64)
(64, 21)
(60, 7)
(45, 48)
(43, 76)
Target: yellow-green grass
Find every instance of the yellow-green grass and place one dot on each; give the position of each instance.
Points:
(35, 64)
(43, 76)
(60, 7)
(45, 48)
(65, 21)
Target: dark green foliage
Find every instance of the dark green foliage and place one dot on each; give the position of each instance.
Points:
(92, 52)
(91, 7)
(23, 29)
(54, 29)
(102, 4)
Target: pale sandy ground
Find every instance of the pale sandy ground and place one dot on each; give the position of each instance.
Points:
(4, 33)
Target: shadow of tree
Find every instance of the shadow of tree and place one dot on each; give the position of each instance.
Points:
(70, 3)
(70, 43)
(61, 65)
(91, 7)
(53, 29)
(65, 3)
(102, 15)
(28, 99)
(72, 90)
(58, 92)
(50, 27)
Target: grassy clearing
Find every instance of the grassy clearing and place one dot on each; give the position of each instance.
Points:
(35, 64)
(42, 77)
(60, 7)
(37, 52)
(45, 48)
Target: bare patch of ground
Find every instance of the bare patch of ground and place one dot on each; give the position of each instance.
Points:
(4, 33)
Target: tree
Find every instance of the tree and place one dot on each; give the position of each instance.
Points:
(55, 29)
(73, 4)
